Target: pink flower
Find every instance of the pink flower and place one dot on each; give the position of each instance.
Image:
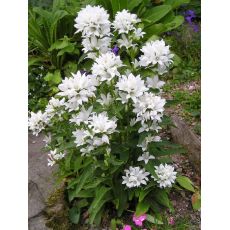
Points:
(171, 221)
(127, 227)
(138, 220)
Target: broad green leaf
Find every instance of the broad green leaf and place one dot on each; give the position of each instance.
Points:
(154, 29)
(35, 61)
(176, 22)
(142, 207)
(53, 78)
(161, 197)
(67, 49)
(153, 220)
(74, 215)
(150, 167)
(185, 182)
(132, 4)
(156, 13)
(144, 193)
(176, 3)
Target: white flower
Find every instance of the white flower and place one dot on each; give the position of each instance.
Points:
(125, 21)
(147, 127)
(124, 41)
(100, 123)
(93, 21)
(149, 107)
(82, 116)
(135, 63)
(105, 99)
(80, 135)
(47, 139)
(130, 87)
(135, 177)
(145, 157)
(148, 139)
(154, 82)
(53, 106)
(106, 66)
(166, 175)
(156, 52)
(53, 156)
(138, 33)
(78, 89)
(96, 44)
(37, 122)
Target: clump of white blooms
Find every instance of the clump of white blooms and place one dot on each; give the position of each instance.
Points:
(156, 53)
(37, 122)
(78, 89)
(106, 66)
(166, 175)
(54, 156)
(125, 22)
(130, 87)
(113, 98)
(93, 21)
(145, 157)
(135, 177)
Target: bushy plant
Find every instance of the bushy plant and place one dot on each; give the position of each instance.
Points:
(103, 124)
(54, 46)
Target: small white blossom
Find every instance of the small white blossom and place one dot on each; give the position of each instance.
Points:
(82, 116)
(53, 107)
(93, 21)
(80, 135)
(148, 139)
(145, 157)
(138, 33)
(47, 139)
(135, 177)
(105, 99)
(100, 123)
(166, 175)
(124, 41)
(125, 21)
(156, 52)
(96, 44)
(154, 82)
(106, 66)
(53, 156)
(37, 122)
(130, 87)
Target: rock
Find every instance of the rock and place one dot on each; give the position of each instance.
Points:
(184, 136)
(38, 223)
(36, 202)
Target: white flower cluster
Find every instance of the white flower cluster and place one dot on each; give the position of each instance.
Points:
(106, 66)
(93, 22)
(135, 177)
(37, 122)
(96, 131)
(126, 25)
(166, 175)
(85, 101)
(156, 53)
(54, 156)
(78, 89)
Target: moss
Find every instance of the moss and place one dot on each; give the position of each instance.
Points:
(57, 211)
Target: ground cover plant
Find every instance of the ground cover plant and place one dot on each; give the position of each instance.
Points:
(105, 115)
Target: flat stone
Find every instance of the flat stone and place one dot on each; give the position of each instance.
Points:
(36, 202)
(37, 223)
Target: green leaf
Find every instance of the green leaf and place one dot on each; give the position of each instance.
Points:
(150, 167)
(185, 182)
(35, 61)
(74, 215)
(142, 207)
(154, 29)
(153, 220)
(176, 3)
(176, 22)
(144, 193)
(162, 197)
(53, 78)
(132, 4)
(156, 13)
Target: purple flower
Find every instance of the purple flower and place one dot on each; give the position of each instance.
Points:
(139, 219)
(195, 28)
(189, 16)
(115, 50)
(171, 221)
(127, 227)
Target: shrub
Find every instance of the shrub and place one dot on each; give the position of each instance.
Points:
(103, 123)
